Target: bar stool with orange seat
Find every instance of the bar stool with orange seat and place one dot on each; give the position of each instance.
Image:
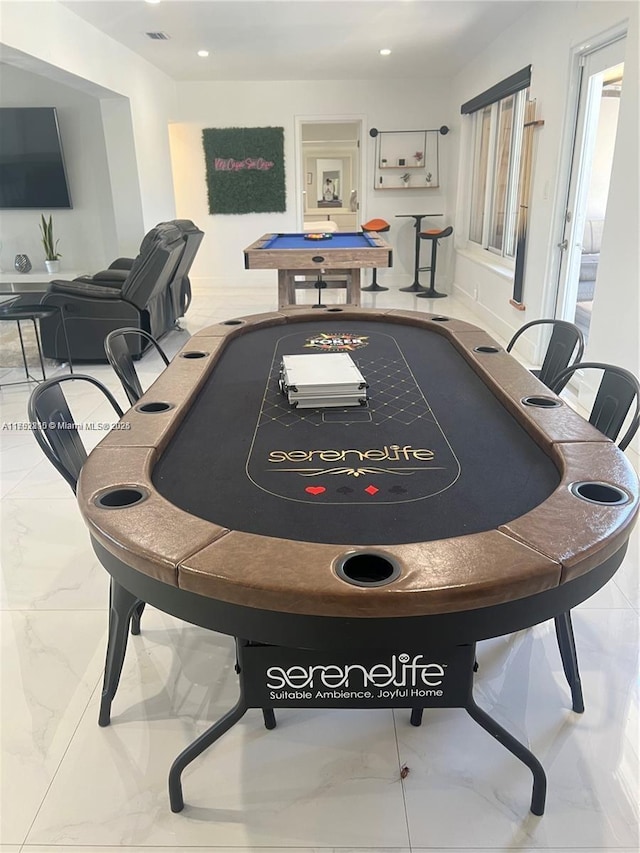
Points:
(378, 226)
(433, 234)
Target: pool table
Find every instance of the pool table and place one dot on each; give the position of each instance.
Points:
(334, 260)
(361, 547)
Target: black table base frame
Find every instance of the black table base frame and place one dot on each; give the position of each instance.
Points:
(219, 728)
(283, 628)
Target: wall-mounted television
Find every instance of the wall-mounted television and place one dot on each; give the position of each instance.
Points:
(32, 173)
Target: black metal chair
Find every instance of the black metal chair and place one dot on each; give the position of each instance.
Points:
(617, 391)
(616, 394)
(56, 432)
(120, 357)
(566, 346)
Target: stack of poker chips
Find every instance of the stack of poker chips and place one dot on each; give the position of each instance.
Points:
(324, 380)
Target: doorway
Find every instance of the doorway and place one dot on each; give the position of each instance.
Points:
(329, 173)
(601, 77)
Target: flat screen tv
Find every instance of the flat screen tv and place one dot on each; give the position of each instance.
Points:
(32, 173)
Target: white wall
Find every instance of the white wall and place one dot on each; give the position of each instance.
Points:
(51, 42)
(86, 230)
(392, 105)
(545, 38)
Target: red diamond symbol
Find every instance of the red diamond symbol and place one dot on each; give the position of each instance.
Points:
(372, 490)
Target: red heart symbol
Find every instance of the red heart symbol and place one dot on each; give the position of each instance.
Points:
(315, 490)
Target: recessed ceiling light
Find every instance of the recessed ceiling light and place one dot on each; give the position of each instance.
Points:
(203, 53)
(385, 51)
(152, 2)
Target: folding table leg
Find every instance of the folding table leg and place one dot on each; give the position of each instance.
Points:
(198, 746)
(518, 749)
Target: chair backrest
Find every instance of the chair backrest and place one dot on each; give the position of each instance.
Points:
(180, 285)
(566, 346)
(120, 357)
(616, 393)
(153, 269)
(54, 427)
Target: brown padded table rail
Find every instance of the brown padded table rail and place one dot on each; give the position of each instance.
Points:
(561, 539)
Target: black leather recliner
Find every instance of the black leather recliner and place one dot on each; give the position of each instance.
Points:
(139, 297)
(180, 286)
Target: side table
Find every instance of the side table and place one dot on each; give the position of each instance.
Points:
(12, 311)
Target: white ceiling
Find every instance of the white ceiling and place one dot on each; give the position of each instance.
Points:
(304, 39)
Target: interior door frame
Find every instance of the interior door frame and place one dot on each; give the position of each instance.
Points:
(300, 181)
(551, 301)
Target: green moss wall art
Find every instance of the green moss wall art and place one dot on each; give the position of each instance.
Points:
(245, 169)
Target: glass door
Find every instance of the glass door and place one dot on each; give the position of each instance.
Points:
(595, 136)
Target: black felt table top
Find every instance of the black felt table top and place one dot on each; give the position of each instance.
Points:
(432, 455)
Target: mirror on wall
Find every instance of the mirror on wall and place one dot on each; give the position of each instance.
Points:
(331, 173)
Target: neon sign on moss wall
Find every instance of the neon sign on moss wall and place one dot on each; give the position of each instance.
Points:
(245, 169)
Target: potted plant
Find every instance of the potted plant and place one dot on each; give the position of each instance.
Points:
(51, 253)
(418, 157)
(428, 177)
(405, 179)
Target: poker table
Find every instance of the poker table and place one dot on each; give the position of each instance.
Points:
(331, 260)
(365, 546)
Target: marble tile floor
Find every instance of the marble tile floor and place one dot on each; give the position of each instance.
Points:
(324, 781)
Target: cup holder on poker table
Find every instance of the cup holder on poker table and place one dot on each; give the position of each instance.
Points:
(542, 402)
(154, 408)
(484, 348)
(603, 494)
(121, 497)
(367, 569)
(194, 354)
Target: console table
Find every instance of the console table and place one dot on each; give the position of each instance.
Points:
(12, 281)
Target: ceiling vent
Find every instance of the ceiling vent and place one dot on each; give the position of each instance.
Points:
(158, 36)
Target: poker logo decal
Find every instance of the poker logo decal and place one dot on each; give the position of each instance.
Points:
(394, 451)
(336, 342)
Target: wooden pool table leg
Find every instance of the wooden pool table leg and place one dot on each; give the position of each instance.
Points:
(353, 287)
(286, 288)
(567, 646)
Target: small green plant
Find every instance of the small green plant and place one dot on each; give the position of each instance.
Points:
(50, 245)
(405, 178)
(428, 177)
